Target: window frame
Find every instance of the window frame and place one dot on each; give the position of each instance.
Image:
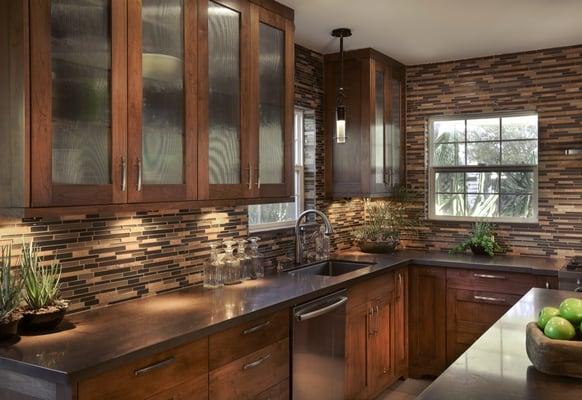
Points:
(298, 176)
(500, 168)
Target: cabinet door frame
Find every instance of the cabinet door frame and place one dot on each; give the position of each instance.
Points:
(44, 192)
(260, 15)
(243, 189)
(161, 192)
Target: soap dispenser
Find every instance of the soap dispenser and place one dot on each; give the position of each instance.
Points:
(231, 264)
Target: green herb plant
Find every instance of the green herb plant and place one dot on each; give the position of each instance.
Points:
(482, 237)
(41, 282)
(10, 285)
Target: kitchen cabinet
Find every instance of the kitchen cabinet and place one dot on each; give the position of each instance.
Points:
(401, 322)
(370, 330)
(427, 309)
(374, 97)
(130, 104)
(477, 298)
(174, 374)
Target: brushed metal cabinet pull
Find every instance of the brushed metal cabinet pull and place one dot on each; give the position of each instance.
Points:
(256, 328)
(139, 174)
(256, 363)
(123, 174)
(487, 298)
(258, 171)
(370, 316)
(150, 368)
(547, 284)
(488, 276)
(377, 311)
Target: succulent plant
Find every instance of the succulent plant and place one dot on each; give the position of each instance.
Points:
(10, 285)
(41, 282)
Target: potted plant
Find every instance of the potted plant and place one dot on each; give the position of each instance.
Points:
(44, 307)
(385, 220)
(10, 295)
(481, 242)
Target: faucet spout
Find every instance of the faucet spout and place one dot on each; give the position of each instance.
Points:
(299, 250)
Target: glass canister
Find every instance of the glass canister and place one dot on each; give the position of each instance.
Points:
(257, 266)
(232, 271)
(214, 271)
(244, 260)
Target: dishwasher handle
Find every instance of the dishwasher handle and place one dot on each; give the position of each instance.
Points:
(324, 310)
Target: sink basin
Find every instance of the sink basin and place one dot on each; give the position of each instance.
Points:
(330, 268)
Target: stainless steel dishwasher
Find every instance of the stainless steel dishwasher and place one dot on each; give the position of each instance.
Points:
(319, 332)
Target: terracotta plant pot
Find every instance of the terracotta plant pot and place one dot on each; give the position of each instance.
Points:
(9, 329)
(44, 319)
(378, 247)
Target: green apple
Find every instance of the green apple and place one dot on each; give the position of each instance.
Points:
(571, 309)
(559, 328)
(545, 314)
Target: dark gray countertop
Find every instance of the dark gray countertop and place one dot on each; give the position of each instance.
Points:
(496, 366)
(93, 341)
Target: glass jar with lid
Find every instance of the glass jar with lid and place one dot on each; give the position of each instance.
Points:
(232, 271)
(257, 266)
(244, 260)
(214, 271)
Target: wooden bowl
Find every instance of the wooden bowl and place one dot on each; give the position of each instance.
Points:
(554, 357)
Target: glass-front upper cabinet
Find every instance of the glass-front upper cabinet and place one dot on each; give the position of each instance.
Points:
(272, 125)
(225, 169)
(385, 133)
(161, 98)
(78, 102)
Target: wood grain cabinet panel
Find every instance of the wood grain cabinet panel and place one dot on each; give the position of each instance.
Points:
(401, 322)
(234, 343)
(278, 392)
(498, 281)
(427, 320)
(175, 371)
(251, 375)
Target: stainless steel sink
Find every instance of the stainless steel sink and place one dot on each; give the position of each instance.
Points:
(330, 268)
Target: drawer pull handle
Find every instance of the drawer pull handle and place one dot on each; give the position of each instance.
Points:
(256, 328)
(256, 363)
(486, 298)
(153, 367)
(488, 276)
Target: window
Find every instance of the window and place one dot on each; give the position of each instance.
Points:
(484, 168)
(280, 215)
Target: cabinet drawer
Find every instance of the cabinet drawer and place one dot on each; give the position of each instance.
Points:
(153, 375)
(196, 389)
(371, 289)
(278, 392)
(244, 339)
(500, 282)
(251, 375)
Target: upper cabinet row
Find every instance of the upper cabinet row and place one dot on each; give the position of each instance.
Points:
(147, 101)
(370, 161)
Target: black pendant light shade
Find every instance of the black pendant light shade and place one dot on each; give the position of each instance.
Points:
(340, 132)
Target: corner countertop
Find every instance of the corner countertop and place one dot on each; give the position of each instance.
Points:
(91, 342)
(496, 366)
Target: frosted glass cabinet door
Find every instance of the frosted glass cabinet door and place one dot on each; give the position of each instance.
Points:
(395, 132)
(162, 133)
(78, 102)
(272, 38)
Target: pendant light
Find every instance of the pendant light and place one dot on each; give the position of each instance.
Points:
(340, 113)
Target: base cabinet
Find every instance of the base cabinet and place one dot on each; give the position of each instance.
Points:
(427, 321)
(370, 333)
(401, 322)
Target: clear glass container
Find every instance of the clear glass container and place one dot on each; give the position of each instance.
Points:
(244, 260)
(322, 245)
(232, 269)
(257, 266)
(214, 269)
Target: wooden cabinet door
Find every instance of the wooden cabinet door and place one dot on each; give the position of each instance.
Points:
(357, 332)
(380, 345)
(401, 323)
(427, 321)
(469, 314)
(78, 102)
(272, 98)
(162, 138)
(225, 166)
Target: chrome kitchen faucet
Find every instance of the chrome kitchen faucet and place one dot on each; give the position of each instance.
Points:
(299, 249)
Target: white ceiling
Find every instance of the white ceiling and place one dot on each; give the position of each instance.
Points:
(423, 31)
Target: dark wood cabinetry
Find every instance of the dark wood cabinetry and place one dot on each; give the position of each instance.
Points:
(427, 320)
(371, 161)
(123, 105)
(370, 337)
(401, 322)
